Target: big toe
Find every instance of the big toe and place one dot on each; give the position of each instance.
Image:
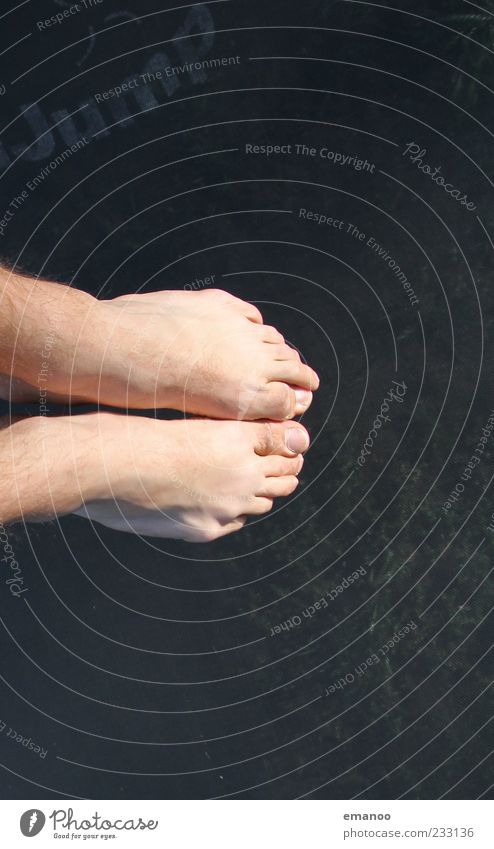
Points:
(285, 438)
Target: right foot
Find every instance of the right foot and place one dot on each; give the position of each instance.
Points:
(192, 479)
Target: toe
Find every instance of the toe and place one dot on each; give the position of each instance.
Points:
(279, 401)
(295, 373)
(280, 487)
(272, 335)
(260, 506)
(250, 311)
(284, 352)
(275, 401)
(286, 439)
(275, 466)
(303, 399)
(231, 527)
(214, 530)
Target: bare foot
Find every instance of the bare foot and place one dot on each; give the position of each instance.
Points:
(196, 479)
(206, 353)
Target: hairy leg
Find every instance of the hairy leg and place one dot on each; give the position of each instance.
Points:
(206, 353)
(191, 479)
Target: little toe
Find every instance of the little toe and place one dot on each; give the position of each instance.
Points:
(215, 530)
(231, 527)
(260, 505)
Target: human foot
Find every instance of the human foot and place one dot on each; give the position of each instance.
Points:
(206, 353)
(192, 479)
(201, 352)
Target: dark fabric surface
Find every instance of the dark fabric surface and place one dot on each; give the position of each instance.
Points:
(153, 669)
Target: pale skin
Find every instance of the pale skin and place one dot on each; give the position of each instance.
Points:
(206, 353)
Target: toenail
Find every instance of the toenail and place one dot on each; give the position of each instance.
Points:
(296, 440)
(303, 397)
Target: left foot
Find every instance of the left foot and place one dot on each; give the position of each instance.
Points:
(206, 353)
